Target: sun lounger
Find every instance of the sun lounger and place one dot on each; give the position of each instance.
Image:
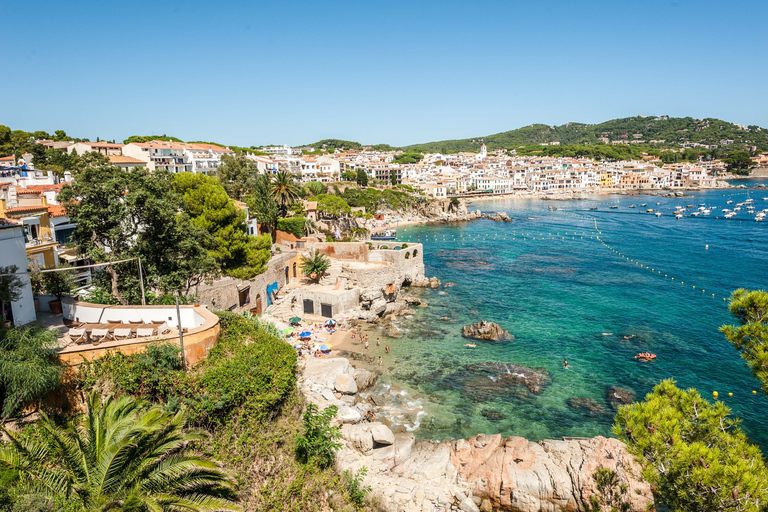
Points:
(78, 336)
(144, 332)
(114, 321)
(122, 334)
(99, 335)
(164, 328)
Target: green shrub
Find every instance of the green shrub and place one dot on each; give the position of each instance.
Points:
(317, 445)
(356, 491)
(293, 225)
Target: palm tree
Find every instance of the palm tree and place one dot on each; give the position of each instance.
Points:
(285, 191)
(118, 456)
(315, 265)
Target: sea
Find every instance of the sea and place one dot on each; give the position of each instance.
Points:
(595, 287)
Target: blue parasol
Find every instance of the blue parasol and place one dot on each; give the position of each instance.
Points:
(305, 334)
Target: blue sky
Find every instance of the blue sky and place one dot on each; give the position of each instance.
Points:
(396, 72)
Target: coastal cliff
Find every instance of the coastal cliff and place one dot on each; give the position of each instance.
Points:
(482, 473)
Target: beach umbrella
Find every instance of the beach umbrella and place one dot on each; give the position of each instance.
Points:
(305, 334)
(331, 322)
(289, 330)
(295, 320)
(324, 348)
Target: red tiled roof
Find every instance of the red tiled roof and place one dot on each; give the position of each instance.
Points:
(57, 210)
(23, 209)
(39, 188)
(121, 159)
(10, 222)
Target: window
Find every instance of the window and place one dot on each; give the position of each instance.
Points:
(326, 310)
(63, 236)
(309, 307)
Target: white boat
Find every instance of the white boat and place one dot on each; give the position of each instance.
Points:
(678, 216)
(695, 214)
(730, 215)
(658, 214)
(706, 212)
(729, 202)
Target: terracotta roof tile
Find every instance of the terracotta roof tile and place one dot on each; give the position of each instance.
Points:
(23, 209)
(57, 210)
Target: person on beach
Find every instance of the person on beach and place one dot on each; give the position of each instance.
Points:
(381, 361)
(378, 342)
(366, 344)
(565, 364)
(386, 349)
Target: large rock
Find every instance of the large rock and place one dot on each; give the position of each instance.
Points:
(381, 434)
(516, 474)
(364, 379)
(485, 331)
(426, 282)
(348, 414)
(378, 306)
(345, 384)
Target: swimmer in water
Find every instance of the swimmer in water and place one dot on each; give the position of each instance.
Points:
(565, 364)
(470, 345)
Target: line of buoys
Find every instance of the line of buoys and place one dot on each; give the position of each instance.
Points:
(630, 260)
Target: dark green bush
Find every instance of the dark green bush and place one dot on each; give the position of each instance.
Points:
(293, 225)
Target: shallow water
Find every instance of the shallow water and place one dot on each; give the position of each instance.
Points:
(548, 280)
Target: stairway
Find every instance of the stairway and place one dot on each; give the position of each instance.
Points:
(281, 308)
(332, 274)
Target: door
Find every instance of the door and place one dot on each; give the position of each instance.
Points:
(326, 310)
(309, 307)
(256, 310)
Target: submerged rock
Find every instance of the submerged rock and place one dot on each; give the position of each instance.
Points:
(617, 396)
(589, 405)
(486, 331)
(493, 414)
(487, 381)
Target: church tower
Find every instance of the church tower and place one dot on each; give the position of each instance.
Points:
(483, 151)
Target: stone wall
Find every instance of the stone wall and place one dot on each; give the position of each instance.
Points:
(240, 295)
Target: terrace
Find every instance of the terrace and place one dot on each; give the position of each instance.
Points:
(90, 331)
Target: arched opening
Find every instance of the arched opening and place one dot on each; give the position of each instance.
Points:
(294, 270)
(256, 309)
(407, 255)
(415, 252)
(287, 275)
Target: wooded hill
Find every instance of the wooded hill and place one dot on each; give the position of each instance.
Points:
(672, 130)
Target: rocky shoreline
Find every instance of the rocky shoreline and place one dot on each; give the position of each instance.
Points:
(482, 473)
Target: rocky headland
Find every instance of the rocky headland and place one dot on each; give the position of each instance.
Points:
(482, 473)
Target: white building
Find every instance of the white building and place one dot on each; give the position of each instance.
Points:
(277, 150)
(205, 158)
(159, 155)
(13, 251)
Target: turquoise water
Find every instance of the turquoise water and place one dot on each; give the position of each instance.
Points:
(548, 280)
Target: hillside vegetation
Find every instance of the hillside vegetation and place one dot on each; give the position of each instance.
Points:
(672, 130)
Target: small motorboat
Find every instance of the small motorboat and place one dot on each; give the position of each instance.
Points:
(593, 208)
(644, 204)
(631, 206)
(678, 216)
(658, 214)
(613, 207)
